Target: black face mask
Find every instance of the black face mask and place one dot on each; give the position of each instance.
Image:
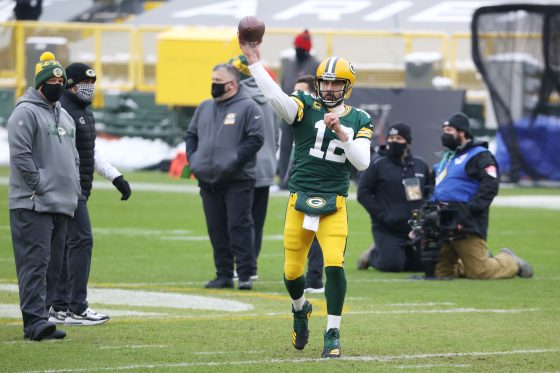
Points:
(449, 141)
(218, 89)
(301, 54)
(396, 149)
(52, 91)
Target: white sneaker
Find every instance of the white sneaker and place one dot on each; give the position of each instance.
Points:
(88, 317)
(315, 290)
(57, 317)
(254, 277)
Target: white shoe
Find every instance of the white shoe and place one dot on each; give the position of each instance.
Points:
(254, 277)
(315, 290)
(88, 317)
(57, 317)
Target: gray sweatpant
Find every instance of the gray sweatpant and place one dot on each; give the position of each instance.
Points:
(38, 241)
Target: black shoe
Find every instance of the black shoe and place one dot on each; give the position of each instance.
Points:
(220, 283)
(332, 344)
(245, 285)
(42, 331)
(363, 260)
(58, 334)
(300, 332)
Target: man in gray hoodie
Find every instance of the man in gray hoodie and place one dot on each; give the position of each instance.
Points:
(43, 192)
(222, 140)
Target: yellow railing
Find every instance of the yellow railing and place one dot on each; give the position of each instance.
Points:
(124, 56)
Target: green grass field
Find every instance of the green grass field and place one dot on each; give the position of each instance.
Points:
(154, 249)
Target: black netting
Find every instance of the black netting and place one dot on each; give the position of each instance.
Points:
(516, 50)
(553, 45)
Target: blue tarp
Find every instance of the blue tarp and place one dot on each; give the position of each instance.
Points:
(539, 143)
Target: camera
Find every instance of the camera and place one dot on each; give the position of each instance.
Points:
(431, 225)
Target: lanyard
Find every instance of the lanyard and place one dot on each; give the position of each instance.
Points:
(448, 156)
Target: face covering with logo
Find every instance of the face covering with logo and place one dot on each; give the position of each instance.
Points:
(52, 91)
(85, 92)
(449, 141)
(396, 149)
(218, 89)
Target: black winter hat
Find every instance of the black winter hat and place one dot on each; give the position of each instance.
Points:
(401, 129)
(77, 72)
(460, 122)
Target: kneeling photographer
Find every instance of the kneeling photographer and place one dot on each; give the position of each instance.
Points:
(394, 184)
(467, 182)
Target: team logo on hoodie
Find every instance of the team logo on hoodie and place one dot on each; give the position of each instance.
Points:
(61, 131)
(230, 119)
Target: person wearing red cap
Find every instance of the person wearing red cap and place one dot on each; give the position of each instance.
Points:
(303, 64)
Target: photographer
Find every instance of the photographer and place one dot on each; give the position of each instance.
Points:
(467, 180)
(393, 185)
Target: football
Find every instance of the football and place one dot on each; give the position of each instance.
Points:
(250, 30)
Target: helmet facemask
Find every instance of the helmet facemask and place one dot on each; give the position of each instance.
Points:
(330, 100)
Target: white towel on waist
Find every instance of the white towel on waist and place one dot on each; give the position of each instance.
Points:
(311, 222)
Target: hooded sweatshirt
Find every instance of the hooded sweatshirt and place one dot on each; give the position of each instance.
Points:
(223, 139)
(44, 162)
(266, 156)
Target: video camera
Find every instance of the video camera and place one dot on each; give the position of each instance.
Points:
(431, 225)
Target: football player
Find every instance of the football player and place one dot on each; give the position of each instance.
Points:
(329, 136)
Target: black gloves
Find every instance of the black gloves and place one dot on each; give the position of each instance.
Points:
(122, 185)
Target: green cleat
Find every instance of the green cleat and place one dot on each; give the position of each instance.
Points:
(300, 333)
(332, 344)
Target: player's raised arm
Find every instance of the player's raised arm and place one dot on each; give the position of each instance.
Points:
(283, 105)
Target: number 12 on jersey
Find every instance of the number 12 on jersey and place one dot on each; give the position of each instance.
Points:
(333, 144)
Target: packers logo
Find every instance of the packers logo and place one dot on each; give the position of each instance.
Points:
(351, 67)
(57, 72)
(229, 119)
(82, 120)
(315, 202)
(61, 131)
(317, 106)
(90, 73)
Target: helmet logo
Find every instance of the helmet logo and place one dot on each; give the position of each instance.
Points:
(351, 67)
(329, 76)
(315, 202)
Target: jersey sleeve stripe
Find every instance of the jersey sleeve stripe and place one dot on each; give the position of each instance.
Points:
(300, 107)
(365, 132)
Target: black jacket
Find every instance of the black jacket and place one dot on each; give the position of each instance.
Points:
(473, 216)
(381, 190)
(223, 139)
(85, 137)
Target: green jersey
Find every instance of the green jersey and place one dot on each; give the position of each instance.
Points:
(320, 164)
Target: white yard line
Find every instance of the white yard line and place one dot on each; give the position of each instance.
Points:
(370, 358)
(544, 202)
(426, 366)
(131, 347)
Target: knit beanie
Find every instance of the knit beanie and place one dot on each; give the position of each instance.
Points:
(242, 65)
(460, 122)
(303, 41)
(76, 72)
(48, 67)
(401, 129)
